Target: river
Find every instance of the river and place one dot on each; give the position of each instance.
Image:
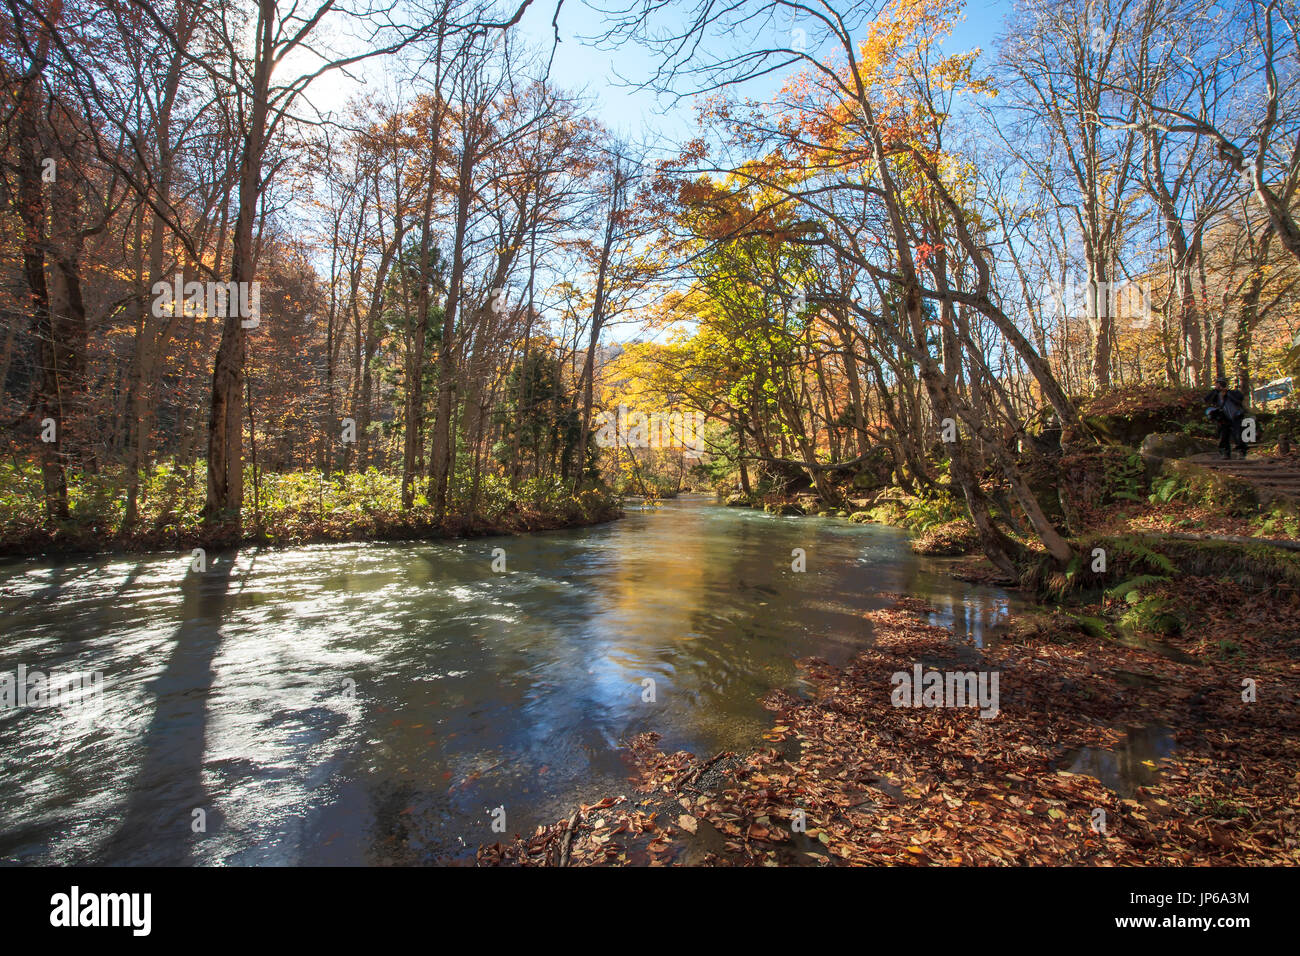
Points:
(375, 703)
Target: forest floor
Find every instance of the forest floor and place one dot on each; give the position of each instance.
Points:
(1065, 773)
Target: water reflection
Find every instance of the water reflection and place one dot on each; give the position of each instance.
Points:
(374, 703)
(1133, 762)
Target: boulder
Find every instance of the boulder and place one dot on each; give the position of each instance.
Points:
(1128, 415)
(1174, 445)
(949, 539)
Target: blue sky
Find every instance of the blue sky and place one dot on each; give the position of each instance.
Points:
(631, 112)
(638, 116)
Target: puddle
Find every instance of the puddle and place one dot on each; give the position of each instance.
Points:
(1132, 763)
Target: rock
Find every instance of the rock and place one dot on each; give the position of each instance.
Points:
(953, 538)
(860, 517)
(1129, 415)
(1175, 445)
(737, 500)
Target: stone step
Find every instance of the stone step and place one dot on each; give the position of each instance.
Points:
(1277, 477)
(1261, 475)
(1251, 463)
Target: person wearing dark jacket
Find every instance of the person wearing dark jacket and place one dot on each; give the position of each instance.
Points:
(1227, 407)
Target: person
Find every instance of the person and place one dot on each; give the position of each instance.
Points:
(1227, 407)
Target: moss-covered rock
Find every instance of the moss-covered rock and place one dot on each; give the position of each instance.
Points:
(1126, 416)
(1253, 565)
(1076, 487)
(950, 538)
(888, 512)
(865, 481)
(874, 471)
(1175, 445)
(1134, 563)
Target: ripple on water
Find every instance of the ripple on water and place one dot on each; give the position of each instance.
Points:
(369, 703)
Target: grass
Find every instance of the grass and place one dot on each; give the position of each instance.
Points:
(288, 508)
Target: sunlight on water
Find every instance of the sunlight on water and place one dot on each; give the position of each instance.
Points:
(363, 703)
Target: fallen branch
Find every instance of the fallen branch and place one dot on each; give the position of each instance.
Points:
(1284, 543)
(567, 845)
(690, 775)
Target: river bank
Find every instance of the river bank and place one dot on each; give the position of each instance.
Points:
(289, 510)
(1153, 723)
(297, 530)
(1183, 752)
(1148, 467)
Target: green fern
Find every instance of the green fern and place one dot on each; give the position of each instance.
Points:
(1165, 490)
(1136, 551)
(1126, 589)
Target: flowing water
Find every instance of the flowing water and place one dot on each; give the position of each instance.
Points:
(375, 703)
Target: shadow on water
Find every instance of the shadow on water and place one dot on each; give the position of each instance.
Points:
(473, 689)
(168, 787)
(63, 572)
